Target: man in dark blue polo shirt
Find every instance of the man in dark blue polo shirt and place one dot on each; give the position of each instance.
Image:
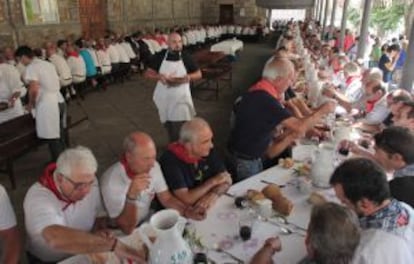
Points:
(260, 112)
(192, 169)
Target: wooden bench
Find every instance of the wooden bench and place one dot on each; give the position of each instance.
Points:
(17, 136)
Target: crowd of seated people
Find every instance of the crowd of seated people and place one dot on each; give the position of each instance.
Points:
(68, 211)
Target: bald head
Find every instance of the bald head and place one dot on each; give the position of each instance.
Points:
(175, 42)
(190, 129)
(136, 140)
(278, 67)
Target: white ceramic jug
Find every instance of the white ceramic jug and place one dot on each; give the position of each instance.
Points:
(323, 165)
(342, 131)
(169, 246)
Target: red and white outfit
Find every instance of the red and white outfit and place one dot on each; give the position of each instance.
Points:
(115, 183)
(44, 205)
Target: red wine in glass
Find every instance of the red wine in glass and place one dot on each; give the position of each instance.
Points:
(245, 232)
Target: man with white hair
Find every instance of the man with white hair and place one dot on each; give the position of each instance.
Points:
(174, 70)
(259, 112)
(64, 208)
(352, 90)
(130, 185)
(192, 168)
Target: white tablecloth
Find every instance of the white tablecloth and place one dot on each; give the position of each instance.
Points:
(228, 47)
(221, 226)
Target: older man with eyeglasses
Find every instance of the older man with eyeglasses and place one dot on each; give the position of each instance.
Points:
(63, 212)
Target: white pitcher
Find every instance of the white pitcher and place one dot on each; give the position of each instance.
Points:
(169, 246)
(323, 165)
(342, 131)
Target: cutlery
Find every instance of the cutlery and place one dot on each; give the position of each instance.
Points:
(284, 221)
(268, 182)
(218, 249)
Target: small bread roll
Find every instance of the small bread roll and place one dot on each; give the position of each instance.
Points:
(252, 194)
(282, 205)
(271, 191)
(316, 199)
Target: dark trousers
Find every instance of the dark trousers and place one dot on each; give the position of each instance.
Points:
(58, 145)
(173, 129)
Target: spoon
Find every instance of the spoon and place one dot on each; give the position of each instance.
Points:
(283, 230)
(217, 248)
(284, 221)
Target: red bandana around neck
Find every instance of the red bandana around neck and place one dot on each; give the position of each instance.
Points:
(48, 181)
(73, 54)
(350, 79)
(181, 152)
(370, 104)
(266, 86)
(128, 170)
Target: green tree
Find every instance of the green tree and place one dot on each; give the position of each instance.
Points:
(386, 19)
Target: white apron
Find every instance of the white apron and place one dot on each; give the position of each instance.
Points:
(47, 115)
(173, 103)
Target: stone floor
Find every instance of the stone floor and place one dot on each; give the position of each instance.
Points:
(128, 107)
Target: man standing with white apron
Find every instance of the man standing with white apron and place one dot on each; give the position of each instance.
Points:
(174, 70)
(45, 99)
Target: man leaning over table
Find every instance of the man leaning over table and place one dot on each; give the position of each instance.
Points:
(192, 168)
(63, 212)
(258, 114)
(129, 186)
(393, 150)
(362, 185)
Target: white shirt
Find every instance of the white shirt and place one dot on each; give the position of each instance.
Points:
(380, 247)
(123, 56)
(379, 113)
(62, 69)
(113, 53)
(115, 184)
(128, 49)
(10, 83)
(78, 68)
(7, 216)
(45, 74)
(104, 61)
(43, 209)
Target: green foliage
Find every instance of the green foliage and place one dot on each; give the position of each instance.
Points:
(354, 16)
(387, 19)
(382, 19)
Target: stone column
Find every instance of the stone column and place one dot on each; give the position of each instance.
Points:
(325, 18)
(364, 29)
(316, 6)
(408, 76)
(343, 25)
(333, 14)
(322, 3)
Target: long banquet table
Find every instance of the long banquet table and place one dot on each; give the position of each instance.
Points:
(228, 47)
(221, 226)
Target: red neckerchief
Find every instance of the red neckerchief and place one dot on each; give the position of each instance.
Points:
(350, 79)
(48, 181)
(73, 54)
(266, 86)
(181, 153)
(128, 170)
(369, 105)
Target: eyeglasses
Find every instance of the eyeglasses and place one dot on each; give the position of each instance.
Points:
(80, 185)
